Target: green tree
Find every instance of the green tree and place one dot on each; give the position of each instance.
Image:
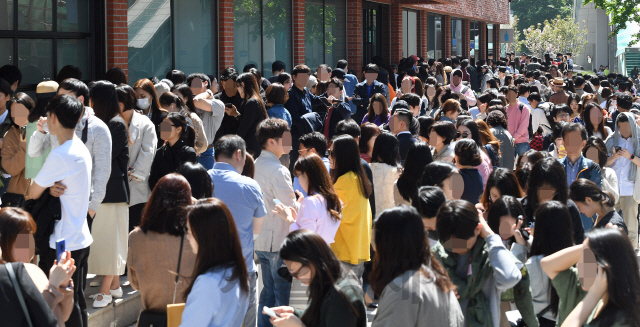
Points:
(534, 12)
(558, 35)
(620, 12)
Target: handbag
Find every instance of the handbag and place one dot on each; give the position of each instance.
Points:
(150, 318)
(16, 287)
(14, 199)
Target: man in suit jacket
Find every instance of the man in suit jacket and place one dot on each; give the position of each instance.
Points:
(365, 90)
(399, 124)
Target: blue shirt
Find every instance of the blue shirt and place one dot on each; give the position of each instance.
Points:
(296, 182)
(573, 170)
(278, 111)
(215, 301)
(369, 89)
(350, 82)
(244, 198)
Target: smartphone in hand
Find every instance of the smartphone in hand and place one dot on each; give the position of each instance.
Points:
(60, 249)
(270, 313)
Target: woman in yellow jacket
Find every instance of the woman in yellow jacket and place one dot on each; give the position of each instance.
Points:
(352, 240)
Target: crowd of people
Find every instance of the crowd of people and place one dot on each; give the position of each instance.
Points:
(452, 191)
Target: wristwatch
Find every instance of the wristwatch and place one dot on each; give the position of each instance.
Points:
(632, 157)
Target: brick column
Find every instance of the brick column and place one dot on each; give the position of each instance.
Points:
(298, 32)
(354, 36)
(483, 40)
(496, 41)
(465, 37)
(446, 36)
(395, 26)
(117, 35)
(422, 35)
(225, 37)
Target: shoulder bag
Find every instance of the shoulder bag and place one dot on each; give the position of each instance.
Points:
(150, 318)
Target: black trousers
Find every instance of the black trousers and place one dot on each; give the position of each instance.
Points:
(135, 215)
(79, 316)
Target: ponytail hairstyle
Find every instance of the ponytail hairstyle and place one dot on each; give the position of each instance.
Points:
(583, 188)
(187, 134)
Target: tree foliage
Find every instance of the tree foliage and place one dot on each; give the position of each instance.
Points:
(534, 12)
(558, 35)
(620, 13)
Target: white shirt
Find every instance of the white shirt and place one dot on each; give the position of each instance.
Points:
(622, 167)
(70, 163)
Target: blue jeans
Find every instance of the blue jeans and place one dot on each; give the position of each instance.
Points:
(275, 291)
(206, 159)
(522, 148)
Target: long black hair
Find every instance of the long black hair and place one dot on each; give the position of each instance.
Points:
(505, 206)
(187, 133)
(505, 181)
(418, 157)
(187, 94)
(347, 159)
(252, 90)
(475, 132)
(198, 178)
(553, 233)
(613, 251)
(104, 99)
(311, 250)
(547, 171)
(386, 149)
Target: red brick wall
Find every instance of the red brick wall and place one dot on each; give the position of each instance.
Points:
(395, 26)
(117, 35)
(496, 41)
(298, 32)
(225, 37)
(354, 36)
(483, 40)
(465, 38)
(446, 36)
(422, 34)
(495, 11)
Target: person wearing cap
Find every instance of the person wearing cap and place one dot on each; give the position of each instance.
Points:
(365, 90)
(45, 91)
(560, 96)
(465, 92)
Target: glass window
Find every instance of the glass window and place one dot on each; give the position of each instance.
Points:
(35, 60)
(6, 51)
(73, 16)
(474, 42)
(193, 39)
(6, 15)
(149, 27)
(456, 37)
(74, 52)
(325, 32)
(434, 37)
(409, 33)
(247, 33)
(276, 34)
(35, 15)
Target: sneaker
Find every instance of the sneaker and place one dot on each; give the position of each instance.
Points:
(116, 293)
(106, 299)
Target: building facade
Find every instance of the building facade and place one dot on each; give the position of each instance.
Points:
(599, 46)
(150, 37)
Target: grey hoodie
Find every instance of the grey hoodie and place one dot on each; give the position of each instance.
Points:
(612, 140)
(99, 145)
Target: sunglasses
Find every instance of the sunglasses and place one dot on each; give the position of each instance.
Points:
(302, 271)
(463, 135)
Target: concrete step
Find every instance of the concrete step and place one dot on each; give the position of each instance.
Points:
(120, 313)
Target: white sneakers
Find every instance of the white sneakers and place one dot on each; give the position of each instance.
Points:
(106, 299)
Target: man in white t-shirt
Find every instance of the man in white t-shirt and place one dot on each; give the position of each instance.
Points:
(70, 165)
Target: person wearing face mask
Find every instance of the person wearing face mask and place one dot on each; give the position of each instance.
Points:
(14, 150)
(175, 151)
(365, 90)
(592, 294)
(622, 146)
(149, 105)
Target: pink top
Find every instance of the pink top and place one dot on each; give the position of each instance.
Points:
(518, 122)
(313, 215)
(485, 168)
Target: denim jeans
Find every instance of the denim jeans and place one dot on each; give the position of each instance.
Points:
(276, 290)
(522, 148)
(206, 159)
(250, 319)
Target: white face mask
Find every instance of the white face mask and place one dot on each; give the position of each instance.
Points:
(143, 104)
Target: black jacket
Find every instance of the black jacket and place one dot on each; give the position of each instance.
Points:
(300, 103)
(229, 124)
(472, 185)
(251, 115)
(406, 141)
(340, 113)
(168, 159)
(45, 211)
(118, 184)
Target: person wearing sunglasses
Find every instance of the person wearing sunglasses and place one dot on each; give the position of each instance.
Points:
(335, 295)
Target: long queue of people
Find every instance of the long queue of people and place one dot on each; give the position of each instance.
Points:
(439, 191)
